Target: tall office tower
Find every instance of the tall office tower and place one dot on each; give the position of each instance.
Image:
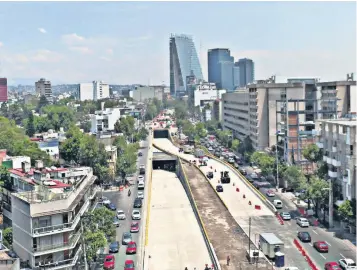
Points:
(43, 88)
(184, 62)
(246, 71)
(3, 89)
(220, 68)
(100, 90)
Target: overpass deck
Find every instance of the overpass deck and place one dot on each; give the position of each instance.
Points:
(175, 240)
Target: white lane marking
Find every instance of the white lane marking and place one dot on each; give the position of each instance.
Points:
(310, 244)
(314, 231)
(328, 243)
(342, 256)
(322, 256)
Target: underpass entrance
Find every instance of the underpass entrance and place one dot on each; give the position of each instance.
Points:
(163, 161)
(161, 134)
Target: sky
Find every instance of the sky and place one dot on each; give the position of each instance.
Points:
(128, 42)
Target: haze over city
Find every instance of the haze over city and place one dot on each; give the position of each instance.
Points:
(129, 42)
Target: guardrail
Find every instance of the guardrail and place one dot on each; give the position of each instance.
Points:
(246, 181)
(183, 178)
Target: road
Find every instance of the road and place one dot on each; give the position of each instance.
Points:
(337, 247)
(123, 202)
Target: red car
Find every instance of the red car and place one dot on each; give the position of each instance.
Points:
(129, 265)
(109, 262)
(131, 248)
(321, 246)
(332, 266)
(134, 227)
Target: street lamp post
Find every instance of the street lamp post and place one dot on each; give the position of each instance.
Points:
(277, 167)
(330, 204)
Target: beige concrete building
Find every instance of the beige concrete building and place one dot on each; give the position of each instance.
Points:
(43, 88)
(338, 139)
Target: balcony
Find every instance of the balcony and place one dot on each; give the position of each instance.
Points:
(334, 149)
(71, 244)
(51, 265)
(320, 145)
(336, 163)
(332, 174)
(327, 159)
(346, 179)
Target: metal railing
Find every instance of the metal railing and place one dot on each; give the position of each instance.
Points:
(72, 242)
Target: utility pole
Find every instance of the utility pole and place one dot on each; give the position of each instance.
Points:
(277, 164)
(330, 205)
(84, 246)
(250, 223)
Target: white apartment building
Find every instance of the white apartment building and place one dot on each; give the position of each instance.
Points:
(43, 88)
(46, 219)
(144, 93)
(95, 90)
(203, 97)
(104, 120)
(338, 139)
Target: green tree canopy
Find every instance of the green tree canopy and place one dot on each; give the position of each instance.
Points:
(345, 210)
(312, 153)
(265, 162)
(295, 178)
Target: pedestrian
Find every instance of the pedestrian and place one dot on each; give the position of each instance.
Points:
(228, 260)
(186, 268)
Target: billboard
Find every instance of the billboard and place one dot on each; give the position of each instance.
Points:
(3, 90)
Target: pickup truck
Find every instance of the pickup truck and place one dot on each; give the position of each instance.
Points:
(347, 264)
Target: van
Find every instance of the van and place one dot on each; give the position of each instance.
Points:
(141, 185)
(278, 204)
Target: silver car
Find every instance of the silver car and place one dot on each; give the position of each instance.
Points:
(126, 238)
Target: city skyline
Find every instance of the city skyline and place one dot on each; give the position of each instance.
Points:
(284, 38)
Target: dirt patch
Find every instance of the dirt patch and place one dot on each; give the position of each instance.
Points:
(225, 234)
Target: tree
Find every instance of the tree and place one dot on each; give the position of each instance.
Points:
(42, 103)
(235, 145)
(200, 130)
(4, 109)
(294, 176)
(181, 111)
(265, 162)
(125, 125)
(322, 170)
(126, 162)
(4, 177)
(142, 134)
(317, 190)
(59, 116)
(94, 240)
(312, 153)
(151, 112)
(7, 237)
(345, 210)
(30, 127)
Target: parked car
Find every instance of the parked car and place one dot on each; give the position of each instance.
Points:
(134, 227)
(302, 222)
(109, 262)
(140, 154)
(332, 266)
(219, 188)
(104, 200)
(321, 246)
(243, 171)
(111, 206)
(121, 215)
(347, 264)
(270, 193)
(278, 204)
(137, 203)
(236, 165)
(114, 247)
(126, 238)
(129, 265)
(135, 215)
(285, 216)
(140, 195)
(304, 236)
(116, 222)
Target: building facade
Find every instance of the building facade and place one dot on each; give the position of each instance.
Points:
(220, 68)
(43, 88)
(338, 139)
(3, 90)
(104, 120)
(246, 71)
(184, 62)
(95, 90)
(145, 93)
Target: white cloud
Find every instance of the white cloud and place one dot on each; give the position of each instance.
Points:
(109, 51)
(42, 30)
(81, 49)
(105, 59)
(71, 39)
(46, 56)
(1, 44)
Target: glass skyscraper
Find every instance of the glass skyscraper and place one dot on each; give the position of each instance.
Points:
(184, 63)
(246, 71)
(220, 68)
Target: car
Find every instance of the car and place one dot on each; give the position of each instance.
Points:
(231, 160)
(347, 264)
(243, 171)
(140, 195)
(109, 262)
(209, 175)
(141, 185)
(285, 216)
(236, 165)
(116, 221)
(302, 222)
(121, 215)
(131, 248)
(219, 188)
(114, 247)
(270, 193)
(321, 246)
(126, 238)
(304, 237)
(135, 215)
(332, 266)
(142, 169)
(12, 254)
(134, 227)
(278, 204)
(141, 178)
(104, 200)
(240, 162)
(129, 265)
(254, 176)
(111, 206)
(210, 149)
(140, 154)
(137, 203)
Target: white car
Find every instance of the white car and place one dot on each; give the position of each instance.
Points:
(302, 222)
(285, 216)
(140, 178)
(135, 215)
(140, 195)
(231, 160)
(347, 264)
(121, 215)
(105, 200)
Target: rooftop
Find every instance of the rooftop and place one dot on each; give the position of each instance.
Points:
(351, 122)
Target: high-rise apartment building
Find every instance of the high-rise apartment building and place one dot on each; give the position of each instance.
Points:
(246, 71)
(3, 90)
(43, 88)
(95, 90)
(220, 68)
(184, 62)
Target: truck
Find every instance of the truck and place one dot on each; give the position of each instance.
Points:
(270, 244)
(187, 149)
(225, 179)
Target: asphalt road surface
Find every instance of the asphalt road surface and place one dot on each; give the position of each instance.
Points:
(123, 202)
